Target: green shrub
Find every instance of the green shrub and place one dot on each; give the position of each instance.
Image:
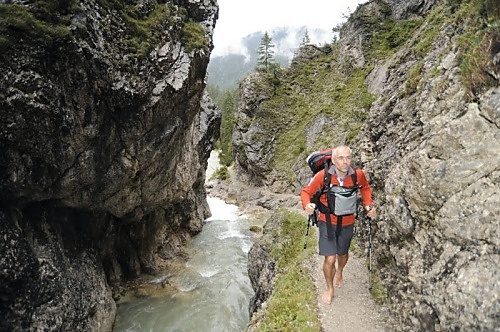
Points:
(378, 291)
(145, 30)
(477, 62)
(479, 44)
(194, 37)
(17, 23)
(414, 76)
(227, 103)
(221, 173)
(391, 35)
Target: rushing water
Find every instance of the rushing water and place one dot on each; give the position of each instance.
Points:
(213, 289)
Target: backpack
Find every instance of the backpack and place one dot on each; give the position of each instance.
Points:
(341, 200)
(319, 160)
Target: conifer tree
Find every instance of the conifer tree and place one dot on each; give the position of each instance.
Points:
(265, 54)
(306, 39)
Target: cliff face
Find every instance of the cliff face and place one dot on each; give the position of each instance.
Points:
(430, 145)
(436, 172)
(104, 142)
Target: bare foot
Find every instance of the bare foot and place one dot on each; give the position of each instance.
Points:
(338, 281)
(327, 297)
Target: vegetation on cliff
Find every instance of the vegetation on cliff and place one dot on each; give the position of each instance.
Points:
(48, 22)
(45, 23)
(293, 304)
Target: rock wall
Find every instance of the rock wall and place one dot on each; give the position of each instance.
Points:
(252, 140)
(261, 266)
(435, 171)
(103, 154)
(431, 148)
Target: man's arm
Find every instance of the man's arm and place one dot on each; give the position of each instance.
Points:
(314, 185)
(366, 195)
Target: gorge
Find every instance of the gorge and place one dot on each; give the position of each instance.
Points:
(106, 131)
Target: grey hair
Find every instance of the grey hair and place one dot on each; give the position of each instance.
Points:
(340, 147)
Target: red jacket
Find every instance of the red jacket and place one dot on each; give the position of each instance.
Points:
(316, 183)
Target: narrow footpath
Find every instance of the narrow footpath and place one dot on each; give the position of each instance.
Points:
(352, 308)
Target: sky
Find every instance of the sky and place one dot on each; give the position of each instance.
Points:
(240, 18)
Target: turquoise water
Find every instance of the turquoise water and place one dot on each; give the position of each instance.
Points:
(213, 289)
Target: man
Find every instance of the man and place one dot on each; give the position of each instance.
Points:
(335, 247)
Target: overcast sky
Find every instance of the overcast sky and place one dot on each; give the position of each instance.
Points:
(239, 18)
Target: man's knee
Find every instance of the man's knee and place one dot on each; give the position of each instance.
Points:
(330, 260)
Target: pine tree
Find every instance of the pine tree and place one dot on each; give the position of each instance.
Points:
(265, 54)
(306, 39)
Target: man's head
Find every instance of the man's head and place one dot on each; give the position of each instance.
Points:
(341, 157)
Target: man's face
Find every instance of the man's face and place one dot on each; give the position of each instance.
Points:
(342, 160)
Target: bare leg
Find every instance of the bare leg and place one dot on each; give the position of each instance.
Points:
(342, 261)
(329, 272)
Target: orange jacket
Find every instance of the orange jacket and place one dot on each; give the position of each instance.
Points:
(316, 183)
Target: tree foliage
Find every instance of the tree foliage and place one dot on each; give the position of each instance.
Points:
(265, 54)
(227, 102)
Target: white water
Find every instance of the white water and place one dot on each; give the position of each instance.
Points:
(214, 289)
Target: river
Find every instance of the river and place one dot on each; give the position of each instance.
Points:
(212, 289)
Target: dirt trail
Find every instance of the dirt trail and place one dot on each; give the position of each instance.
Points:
(352, 308)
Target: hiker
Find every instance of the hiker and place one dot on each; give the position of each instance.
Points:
(335, 239)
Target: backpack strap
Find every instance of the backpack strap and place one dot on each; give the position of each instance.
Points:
(326, 189)
(316, 197)
(354, 177)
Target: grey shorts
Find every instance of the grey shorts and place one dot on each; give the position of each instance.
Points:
(337, 246)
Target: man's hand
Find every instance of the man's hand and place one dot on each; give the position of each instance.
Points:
(371, 212)
(310, 208)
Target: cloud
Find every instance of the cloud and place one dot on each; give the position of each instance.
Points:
(240, 18)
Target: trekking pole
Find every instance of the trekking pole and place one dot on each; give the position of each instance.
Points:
(369, 254)
(305, 244)
(307, 230)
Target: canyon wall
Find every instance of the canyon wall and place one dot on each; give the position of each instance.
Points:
(104, 140)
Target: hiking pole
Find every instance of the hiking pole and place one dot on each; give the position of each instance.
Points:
(307, 230)
(369, 254)
(305, 244)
